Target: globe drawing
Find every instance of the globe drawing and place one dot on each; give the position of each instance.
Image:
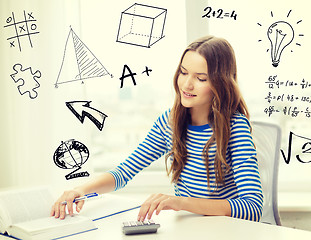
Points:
(71, 154)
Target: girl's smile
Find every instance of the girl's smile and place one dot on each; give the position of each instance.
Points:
(188, 95)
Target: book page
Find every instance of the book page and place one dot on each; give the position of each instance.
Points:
(26, 205)
(5, 220)
(48, 223)
(51, 228)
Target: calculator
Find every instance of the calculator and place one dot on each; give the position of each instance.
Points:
(138, 227)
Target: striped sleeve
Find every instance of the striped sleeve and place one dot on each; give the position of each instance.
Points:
(248, 205)
(152, 148)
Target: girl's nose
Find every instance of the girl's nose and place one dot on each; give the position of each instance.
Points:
(189, 83)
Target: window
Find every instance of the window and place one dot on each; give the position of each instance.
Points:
(132, 107)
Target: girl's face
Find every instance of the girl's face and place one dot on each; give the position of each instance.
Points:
(194, 84)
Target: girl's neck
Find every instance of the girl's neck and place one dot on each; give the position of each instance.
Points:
(198, 117)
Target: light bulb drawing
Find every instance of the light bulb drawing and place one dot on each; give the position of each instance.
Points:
(280, 34)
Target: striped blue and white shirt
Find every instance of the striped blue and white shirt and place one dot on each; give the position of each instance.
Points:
(242, 186)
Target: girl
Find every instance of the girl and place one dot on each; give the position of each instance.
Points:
(206, 137)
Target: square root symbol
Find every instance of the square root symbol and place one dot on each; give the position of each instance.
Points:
(142, 25)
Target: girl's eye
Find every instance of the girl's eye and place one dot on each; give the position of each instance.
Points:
(201, 79)
(183, 73)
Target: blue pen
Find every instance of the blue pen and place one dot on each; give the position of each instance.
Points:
(85, 197)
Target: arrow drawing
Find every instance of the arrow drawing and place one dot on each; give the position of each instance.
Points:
(82, 109)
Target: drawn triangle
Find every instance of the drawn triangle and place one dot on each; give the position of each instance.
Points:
(69, 68)
(78, 62)
(88, 63)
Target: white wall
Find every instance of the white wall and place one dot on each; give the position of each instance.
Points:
(31, 129)
(254, 68)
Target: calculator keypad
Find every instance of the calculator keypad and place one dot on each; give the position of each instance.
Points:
(139, 227)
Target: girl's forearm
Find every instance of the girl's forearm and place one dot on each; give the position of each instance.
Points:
(215, 207)
(101, 184)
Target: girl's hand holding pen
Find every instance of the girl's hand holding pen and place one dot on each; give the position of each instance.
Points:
(67, 199)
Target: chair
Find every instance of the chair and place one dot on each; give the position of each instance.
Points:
(267, 139)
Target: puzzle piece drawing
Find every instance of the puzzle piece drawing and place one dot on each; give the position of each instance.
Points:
(26, 80)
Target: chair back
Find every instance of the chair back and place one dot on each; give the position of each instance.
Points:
(267, 139)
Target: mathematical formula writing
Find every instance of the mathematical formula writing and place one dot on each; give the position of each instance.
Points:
(302, 147)
(273, 82)
(219, 13)
(277, 101)
(287, 97)
(288, 111)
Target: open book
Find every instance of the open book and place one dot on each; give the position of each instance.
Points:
(24, 214)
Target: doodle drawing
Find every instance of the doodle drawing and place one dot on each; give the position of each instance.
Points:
(280, 34)
(71, 154)
(78, 63)
(127, 72)
(26, 80)
(23, 29)
(141, 25)
(82, 109)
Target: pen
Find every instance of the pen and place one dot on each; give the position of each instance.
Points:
(85, 197)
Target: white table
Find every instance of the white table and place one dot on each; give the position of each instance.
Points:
(177, 225)
(183, 225)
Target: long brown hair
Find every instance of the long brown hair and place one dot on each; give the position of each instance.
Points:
(222, 72)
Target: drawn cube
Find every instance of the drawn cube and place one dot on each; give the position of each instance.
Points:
(141, 25)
